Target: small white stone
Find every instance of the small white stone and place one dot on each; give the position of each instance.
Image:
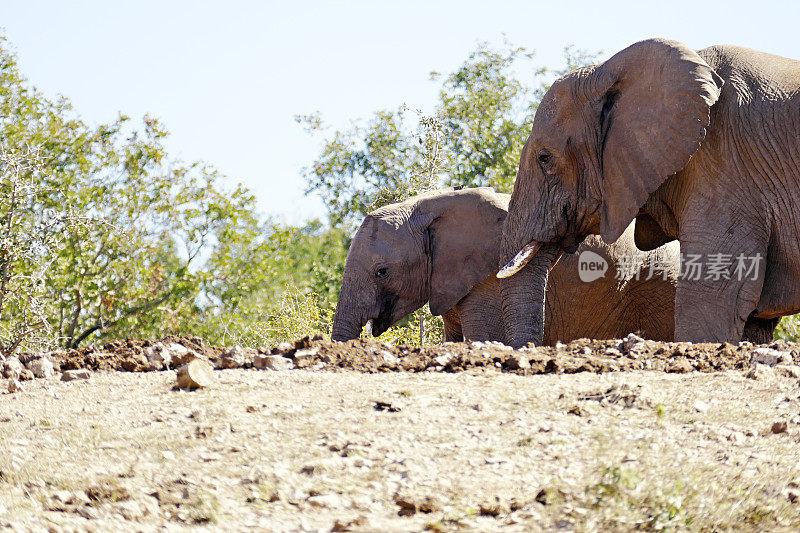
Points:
(632, 342)
(12, 368)
(284, 347)
(700, 406)
(273, 362)
(158, 356)
(41, 367)
(770, 357)
(330, 501)
(130, 509)
(736, 437)
(443, 359)
(71, 375)
(759, 371)
(791, 371)
(306, 352)
(388, 357)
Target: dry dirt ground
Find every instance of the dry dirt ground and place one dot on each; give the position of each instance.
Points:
(361, 436)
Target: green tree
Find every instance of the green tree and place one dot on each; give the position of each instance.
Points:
(473, 137)
(104, 234)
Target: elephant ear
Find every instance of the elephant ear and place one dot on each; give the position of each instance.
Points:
(653, 113)
(465, 243)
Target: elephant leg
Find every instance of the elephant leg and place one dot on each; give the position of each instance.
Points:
(713, 301)
(760, 330)
(452, 325)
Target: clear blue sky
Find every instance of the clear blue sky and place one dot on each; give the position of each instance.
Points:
(226, 78)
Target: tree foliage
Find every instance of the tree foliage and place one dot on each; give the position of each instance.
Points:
(102, 234)
(473, 137)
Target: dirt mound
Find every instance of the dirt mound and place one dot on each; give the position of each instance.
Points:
(369, 355)
(582, 355)
(136, 355)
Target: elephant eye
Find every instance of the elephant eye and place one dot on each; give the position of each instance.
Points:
(382, 272)
(544, 157)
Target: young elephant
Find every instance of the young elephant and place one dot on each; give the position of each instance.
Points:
(443, 247)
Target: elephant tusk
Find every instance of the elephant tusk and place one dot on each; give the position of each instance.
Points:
(368, 328)
(520, 260)
(558, 258)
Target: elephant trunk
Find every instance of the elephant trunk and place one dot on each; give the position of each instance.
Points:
(347, 322)
(523, 288)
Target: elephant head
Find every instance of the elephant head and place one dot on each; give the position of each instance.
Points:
(604, 138)
(431, 248)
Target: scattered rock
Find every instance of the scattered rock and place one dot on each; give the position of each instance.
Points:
(790, 371)
(577, 411)
(310, 470)
(517, 361)
(307, 352)
(700, 406)
(14, 386)
(41, 367)
(493, 508)
(389, 358)
(178, 354)
(107, 492)
(550, 496)
(328, 501)
(679, 366)
(12, 368)
(284, 348)
(616, 394)
(770, 357)
(360, 523)
(238, 357)
(158, 357)
(305, 357)
(759, 372)
(26, 375)
(71, 375)
(632, 343)
(131, 509)
(736, 437)
(67, 497)
(194, 375)
(410, 505)
(272, 362)
(386, 406)
(443, 359)
(781, 426)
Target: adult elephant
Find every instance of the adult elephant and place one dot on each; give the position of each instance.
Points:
(443, 248)
(703, 147)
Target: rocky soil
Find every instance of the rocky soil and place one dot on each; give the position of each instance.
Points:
(363, 436)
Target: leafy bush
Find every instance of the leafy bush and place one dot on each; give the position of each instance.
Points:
(789, 328)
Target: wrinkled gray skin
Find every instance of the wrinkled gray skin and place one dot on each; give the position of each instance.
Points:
(703, 147)
(443, 247)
